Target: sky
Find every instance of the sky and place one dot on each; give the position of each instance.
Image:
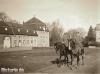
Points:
(71, 13)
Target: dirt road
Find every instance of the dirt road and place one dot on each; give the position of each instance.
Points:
(39, 61)
(92, 64)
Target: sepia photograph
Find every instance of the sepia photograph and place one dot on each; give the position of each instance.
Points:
(49, 36)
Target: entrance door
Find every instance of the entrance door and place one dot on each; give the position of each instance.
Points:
(19, 43)
(7, 42)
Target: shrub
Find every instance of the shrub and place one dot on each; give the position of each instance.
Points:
(98, 44)
(92, 43)
(85, 43)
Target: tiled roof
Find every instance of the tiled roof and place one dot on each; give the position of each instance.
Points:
(36, 24)
(5, 29)
(28, 28)
(35, 20)
(15, 29)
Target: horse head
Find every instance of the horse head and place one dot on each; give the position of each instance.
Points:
(72, 44)
(56, 46)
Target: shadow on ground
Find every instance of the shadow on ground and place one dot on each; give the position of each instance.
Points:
(59, 62)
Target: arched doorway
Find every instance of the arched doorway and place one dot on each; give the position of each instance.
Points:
(7, 42)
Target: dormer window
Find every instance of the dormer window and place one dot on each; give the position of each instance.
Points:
(44, 28)
(6, 29)
(18, 30)
(27, 31)
(33, 31)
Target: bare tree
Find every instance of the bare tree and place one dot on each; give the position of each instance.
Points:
(77, 34)
(56, 32)
(4, 17)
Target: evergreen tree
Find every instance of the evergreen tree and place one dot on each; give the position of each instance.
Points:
(91, 34)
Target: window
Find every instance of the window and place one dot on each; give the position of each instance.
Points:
(44, 28)
(43, 41)
(27, 31)
(27, 41)
(41, 36)
(15, 42)
(40, 27)
(31, 41)
(23, 41)
(33, 31)
(19, 41)
(18, 30)
(6, 29)
(34, 41)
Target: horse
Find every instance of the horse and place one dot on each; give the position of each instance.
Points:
(63, 51)
(57, 45)
(77, 51)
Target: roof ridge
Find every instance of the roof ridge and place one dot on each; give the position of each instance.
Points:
(35, 20)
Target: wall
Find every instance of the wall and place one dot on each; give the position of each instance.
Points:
(97, 36)
(23, 41)
(4, 43)
(43, 39)
(1, 40)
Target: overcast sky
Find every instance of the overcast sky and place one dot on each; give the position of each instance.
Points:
(71, 13)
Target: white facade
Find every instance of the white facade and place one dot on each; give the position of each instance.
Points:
(43, 39)
(98, 33)
(23, 41)
(97, 36)
(34, 33)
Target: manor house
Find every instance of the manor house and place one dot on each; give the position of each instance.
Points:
(33, 33)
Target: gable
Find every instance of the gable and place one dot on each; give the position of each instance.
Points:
(36, 24)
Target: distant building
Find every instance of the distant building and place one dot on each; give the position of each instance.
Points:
(41, 29)
(97, 33)
(32, 33)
